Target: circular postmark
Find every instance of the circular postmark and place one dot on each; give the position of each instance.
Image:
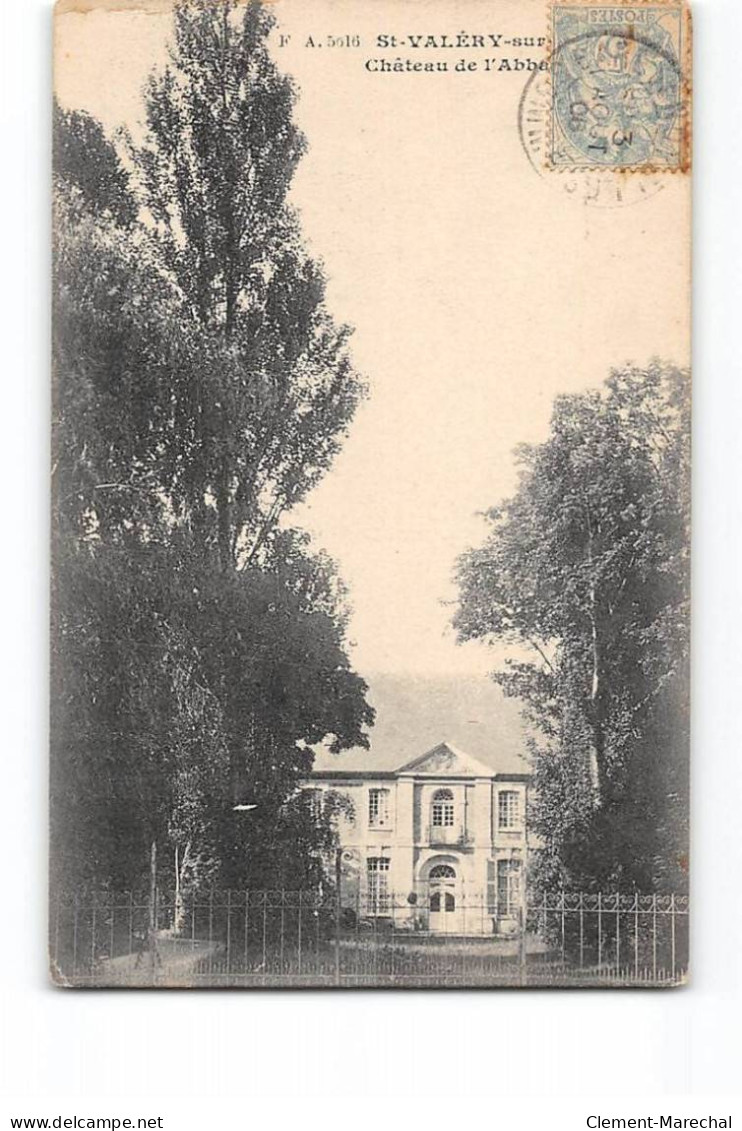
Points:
(616, 103)
(605, 122)
(600, 188)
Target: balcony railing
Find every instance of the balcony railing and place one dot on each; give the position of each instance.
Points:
(451, 835)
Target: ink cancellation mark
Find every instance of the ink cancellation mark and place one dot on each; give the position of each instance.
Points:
(594, 177)
(619, 96)
(598, 188)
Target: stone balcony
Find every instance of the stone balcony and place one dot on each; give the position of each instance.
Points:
(452, 836)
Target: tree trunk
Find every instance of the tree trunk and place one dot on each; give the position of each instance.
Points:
(597, 749)
(178, 904)
(152, 925)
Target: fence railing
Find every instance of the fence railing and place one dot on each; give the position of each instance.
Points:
(304, 938)
(645, 936)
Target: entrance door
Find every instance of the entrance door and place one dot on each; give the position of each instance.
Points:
(444, 914)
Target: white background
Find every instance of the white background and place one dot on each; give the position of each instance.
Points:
(209, 1058)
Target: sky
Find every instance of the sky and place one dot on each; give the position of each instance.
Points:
(478, 290)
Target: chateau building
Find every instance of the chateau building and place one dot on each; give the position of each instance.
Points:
(437, 844)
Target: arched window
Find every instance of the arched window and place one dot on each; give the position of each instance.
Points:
(441, 816)
(442, 872)
(441, 879)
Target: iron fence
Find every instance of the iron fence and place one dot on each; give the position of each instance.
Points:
(645, 937)
(300, 938)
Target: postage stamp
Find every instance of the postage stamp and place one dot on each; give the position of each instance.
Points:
(619, 87)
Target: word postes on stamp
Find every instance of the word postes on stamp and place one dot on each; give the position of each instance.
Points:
(619, 93)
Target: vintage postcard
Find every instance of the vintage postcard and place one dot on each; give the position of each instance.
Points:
(370, 595)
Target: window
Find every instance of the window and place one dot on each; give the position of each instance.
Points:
(508, 887)
(441, 879)
(441, 816)
(442, 872)
(442, 901)
(377, 876)
(378, 809)
(491, 887)
(508, 809)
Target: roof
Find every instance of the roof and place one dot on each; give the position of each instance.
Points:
(413, 713)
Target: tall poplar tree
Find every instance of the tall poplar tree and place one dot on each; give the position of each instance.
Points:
(260, 422)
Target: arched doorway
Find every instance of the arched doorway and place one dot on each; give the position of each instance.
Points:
(443, 909)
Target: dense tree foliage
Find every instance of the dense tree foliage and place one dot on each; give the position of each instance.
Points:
(585, 574)
(260, 424)
(86, 162)
(201, 389)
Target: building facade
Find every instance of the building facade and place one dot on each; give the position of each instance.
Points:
(438, 844)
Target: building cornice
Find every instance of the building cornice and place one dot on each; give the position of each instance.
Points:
(394, 775)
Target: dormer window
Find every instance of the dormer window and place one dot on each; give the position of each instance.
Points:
(378, 809)
(442, 813)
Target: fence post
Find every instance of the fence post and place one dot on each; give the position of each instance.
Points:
(246, 940)
(265, 933)
(193, 922)
(152, 900)
(211, 920)
(337, 915)
(282, 937)
(75, 928)
(564, 950)
(523, 948)
(358, 966)
(56, 931)
(93, 926)
(229, 930)
(298, 937)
